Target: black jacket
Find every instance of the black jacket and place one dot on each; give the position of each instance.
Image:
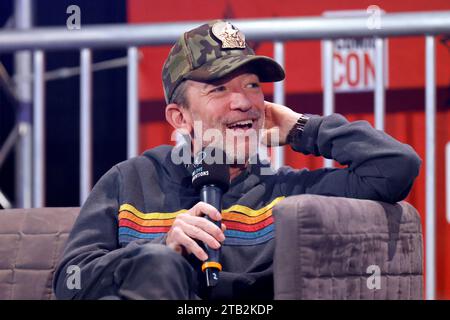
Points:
(136, 201)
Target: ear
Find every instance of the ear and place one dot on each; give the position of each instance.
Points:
(179, 118)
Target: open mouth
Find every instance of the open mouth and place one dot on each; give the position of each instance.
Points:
(241, 125)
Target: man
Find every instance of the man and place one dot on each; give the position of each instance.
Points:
(138, 234)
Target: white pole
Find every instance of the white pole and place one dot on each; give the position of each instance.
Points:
(279, 98)
(379, 95)
(133, 102)
(430, 115)
(328, 90)
(38, 129)
(85, 124)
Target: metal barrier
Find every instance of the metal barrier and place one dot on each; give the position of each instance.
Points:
(428, 24)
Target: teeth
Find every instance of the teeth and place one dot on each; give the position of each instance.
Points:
(241, 123)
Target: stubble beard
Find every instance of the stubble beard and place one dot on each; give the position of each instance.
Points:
(239, 148)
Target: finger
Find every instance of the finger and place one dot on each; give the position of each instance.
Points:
(203, 208)
(268, 103)
(197, 233)
(224, 228)
(189, 244)
(205, 225)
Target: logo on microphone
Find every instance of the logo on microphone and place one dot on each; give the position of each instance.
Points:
(199, 174)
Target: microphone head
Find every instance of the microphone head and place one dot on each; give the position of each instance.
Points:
(210, 167)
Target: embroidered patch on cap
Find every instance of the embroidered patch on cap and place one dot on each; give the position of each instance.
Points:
(229, 35)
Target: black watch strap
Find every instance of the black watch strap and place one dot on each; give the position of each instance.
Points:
(295, 133)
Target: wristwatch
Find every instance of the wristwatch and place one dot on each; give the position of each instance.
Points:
(295, 133)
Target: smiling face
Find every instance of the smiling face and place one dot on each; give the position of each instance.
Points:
(232, 107)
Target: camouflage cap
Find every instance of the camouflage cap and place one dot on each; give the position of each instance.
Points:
(212, 51)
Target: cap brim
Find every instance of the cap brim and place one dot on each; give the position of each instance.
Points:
(267, 69)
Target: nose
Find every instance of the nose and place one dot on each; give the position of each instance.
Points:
(240, 101)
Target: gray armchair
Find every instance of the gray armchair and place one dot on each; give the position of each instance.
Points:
(323, 248)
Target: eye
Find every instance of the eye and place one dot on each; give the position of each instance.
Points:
(253, 85)
(217, 89)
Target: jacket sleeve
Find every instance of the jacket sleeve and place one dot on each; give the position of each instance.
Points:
(92, 246)
(378, 166)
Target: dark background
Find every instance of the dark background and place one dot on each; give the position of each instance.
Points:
(62, 104)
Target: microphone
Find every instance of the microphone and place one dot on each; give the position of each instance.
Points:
(211, 177)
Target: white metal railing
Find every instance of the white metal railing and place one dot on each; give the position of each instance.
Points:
(428, 24)
(276, 29)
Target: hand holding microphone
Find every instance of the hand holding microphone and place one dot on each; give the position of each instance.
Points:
(192, 225)
(211, 178)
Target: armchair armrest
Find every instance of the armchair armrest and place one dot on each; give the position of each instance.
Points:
(341, 248)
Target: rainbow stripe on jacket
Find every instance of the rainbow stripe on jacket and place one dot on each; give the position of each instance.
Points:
(245, 226)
